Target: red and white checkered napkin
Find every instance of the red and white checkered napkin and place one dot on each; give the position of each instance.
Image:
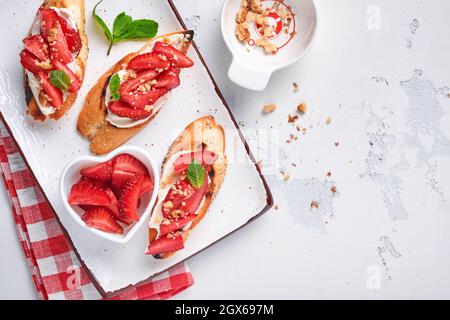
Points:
(56, 271)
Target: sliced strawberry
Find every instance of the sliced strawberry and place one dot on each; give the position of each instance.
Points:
(169, 79)
(30, 62)
(126, 162)
(119, 178)
(133, 83)
(165, 244)
(175, 225)
(75, 83)
(101, 171)
(102, 219)
(83, 193)
(122, 109)
(180, 191)
(125, 167)
(55, 96)
(72, 36)
(59, 49)
(48, 17)
(129, 196)
(96, 183)
(146, 186)
(37, 46)
(176, 57)
(206, 158)
(141, 99)
(113, 206)
(191, 204)
(148, 61)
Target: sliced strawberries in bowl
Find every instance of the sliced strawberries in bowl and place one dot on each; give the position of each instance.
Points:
(111, 196)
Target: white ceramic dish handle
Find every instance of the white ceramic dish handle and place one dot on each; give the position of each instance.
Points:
(247, 77)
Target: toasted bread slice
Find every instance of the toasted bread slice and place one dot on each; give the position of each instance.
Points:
(92, 121)
(77, 6)
(204, 133)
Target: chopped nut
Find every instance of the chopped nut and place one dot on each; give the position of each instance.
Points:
(292, 118)
(328, 120)
(295, 87)
(168, 204)
(52, 35)
(46, 65)
(242, 32)
(314, 204)
(255, 5)
(286, 175)
(333, 189)
(302, 108)
(241, 16)
(269, 108)
(266, 44)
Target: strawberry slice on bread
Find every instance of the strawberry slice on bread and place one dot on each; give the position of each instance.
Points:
(136, 90)
(192, 174)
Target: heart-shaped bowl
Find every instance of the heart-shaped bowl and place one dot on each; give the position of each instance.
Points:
(71, 174)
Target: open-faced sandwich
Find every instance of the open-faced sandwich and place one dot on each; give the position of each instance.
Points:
(54, 58)
(192, 174)
(130, 94)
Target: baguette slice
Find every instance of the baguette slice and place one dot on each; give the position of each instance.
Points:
(92, 121)
(77, 6)
(204, 133)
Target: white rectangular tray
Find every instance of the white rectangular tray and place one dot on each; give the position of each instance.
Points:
(48, 146)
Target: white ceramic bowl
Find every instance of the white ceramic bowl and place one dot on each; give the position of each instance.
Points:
(71, 174)
(251, 68)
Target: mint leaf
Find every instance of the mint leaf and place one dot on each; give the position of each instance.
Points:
(140, 29)
(102, 23)
(196, 174)
(124, 28)
(114, 85)
(60, 79)
(121, 25)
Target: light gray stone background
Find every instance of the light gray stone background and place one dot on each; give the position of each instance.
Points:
(379, 72)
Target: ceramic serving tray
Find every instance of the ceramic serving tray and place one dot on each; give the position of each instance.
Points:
(49, 146)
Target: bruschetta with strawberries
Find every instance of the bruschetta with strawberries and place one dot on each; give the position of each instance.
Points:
(54, 58)
(192, 174)
(130, 94)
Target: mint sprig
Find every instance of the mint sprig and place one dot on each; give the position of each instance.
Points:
(125, 28)
(196, 174)
(60, 79)
(114, 86)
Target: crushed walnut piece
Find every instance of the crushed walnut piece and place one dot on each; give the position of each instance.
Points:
(52, 35)
(328, 120)
(295, 87)
(46, 65)
(333, 189)
(269, 108)
(286, 175)
(314, 204)
(292, 118)
(302, 108)
(266, 44)
(251, 11)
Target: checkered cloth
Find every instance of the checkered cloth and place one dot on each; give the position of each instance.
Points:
(55, 269)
